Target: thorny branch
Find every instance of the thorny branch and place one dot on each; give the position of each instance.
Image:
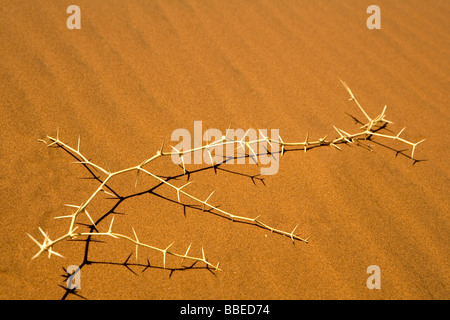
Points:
(368, 130)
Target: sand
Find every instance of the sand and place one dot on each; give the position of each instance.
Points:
(138, 70)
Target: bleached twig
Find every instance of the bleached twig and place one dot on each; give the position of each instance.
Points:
(343, 138)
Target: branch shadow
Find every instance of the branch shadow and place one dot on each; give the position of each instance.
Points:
(384, 126)
(128, 265)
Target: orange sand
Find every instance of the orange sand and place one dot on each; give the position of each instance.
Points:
(137, 70)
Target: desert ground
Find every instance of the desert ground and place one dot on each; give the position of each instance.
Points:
(137, 71)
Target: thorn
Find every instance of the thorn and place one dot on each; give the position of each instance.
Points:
(180, 154)
(204, 202)
(90, 218)
(282, 144)
(348, 89)
(71, 232)
(306, 141)
(184, 167)
(80, 162)
(367, 125)
(384, 110)
(169, 245)
(78, 148)
(164, 257)
(322, 140)
(54, 142)
(340, 133)
(37, 254)
(43, 233)
(251, 149)
(62, 217)
(245, 134)
(108, 193)
(226, 133)
(107, 165)
(178, 190)
(345, 137)
(188, 249)
(414, 147)
(75, 206)
(137, 246)
(110, 226)
(162, 147)
(210, 155)
(354, 99)
(35, 241)
(186, 184)
(203, 254)
(398, 135)
(332, 144)
(50, 252)
(242, 139)
(264, 137)
(381, 116)
(348, 134)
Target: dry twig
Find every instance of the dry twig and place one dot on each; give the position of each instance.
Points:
(368, 130)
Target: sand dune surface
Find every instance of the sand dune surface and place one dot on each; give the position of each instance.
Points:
(137, 71)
